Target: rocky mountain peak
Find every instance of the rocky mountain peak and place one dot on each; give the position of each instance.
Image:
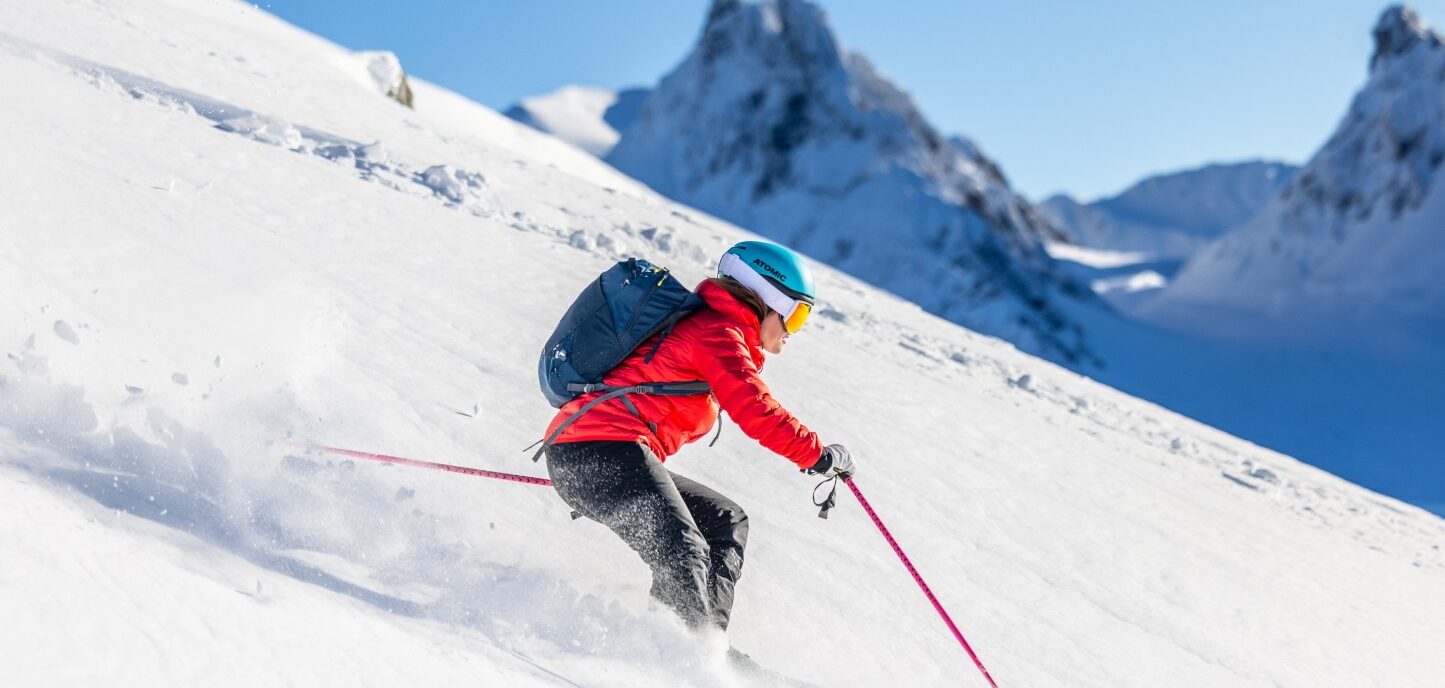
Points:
(1398, 31)
(1356, 232)
(771, 124)
(776, 30)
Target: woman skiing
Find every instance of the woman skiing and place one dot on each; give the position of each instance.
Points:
(608, 463)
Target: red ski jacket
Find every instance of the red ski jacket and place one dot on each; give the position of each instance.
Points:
(721, 345)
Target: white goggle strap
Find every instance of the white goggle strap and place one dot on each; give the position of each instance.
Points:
(734, 267)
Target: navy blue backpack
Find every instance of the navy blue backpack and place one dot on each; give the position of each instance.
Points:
(621, 309)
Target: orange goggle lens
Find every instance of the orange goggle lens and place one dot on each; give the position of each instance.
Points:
(795, 320)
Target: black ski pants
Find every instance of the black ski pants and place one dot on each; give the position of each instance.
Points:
(691, 536)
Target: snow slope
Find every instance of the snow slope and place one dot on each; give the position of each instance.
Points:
(215, 242)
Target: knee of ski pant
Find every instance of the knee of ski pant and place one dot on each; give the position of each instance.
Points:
(723, 522)
(737, 530)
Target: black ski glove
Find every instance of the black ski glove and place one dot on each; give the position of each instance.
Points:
(835, 460)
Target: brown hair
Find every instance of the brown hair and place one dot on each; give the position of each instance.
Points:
(742, 294)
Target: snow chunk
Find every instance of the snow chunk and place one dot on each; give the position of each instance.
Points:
(660, 238)
(609, 243)
(450, 183)
(372, 152)
(580, 240)
(1260, 473)
(1264, 474)
(64, 331)
(265, 129)
(442, 180)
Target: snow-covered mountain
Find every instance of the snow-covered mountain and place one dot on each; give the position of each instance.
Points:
(1170, 216)
(1357, 233)
(588, 117)
(217, 244)
(770, 124)
(1314, 327)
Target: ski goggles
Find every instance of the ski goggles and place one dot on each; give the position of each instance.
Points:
(793, 309)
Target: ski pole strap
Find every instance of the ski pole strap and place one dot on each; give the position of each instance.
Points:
(664, 388)
(832, 498)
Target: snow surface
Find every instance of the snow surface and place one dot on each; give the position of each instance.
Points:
(215, 244)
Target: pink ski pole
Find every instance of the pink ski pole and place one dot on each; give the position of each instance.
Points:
(383, 458)
(848, 480)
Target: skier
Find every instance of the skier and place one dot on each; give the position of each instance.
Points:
(607, 465)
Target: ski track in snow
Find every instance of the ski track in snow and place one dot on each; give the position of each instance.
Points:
(405, 559)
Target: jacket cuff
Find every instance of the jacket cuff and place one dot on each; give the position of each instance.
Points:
(824, 463)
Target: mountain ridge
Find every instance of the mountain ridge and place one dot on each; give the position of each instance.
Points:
(1172, 214)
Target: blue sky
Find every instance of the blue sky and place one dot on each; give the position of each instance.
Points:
(1082, 97)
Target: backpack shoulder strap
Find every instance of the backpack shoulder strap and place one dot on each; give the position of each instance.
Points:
(690, 307)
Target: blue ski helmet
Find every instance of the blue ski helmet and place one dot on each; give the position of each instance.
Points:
(781, 267)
